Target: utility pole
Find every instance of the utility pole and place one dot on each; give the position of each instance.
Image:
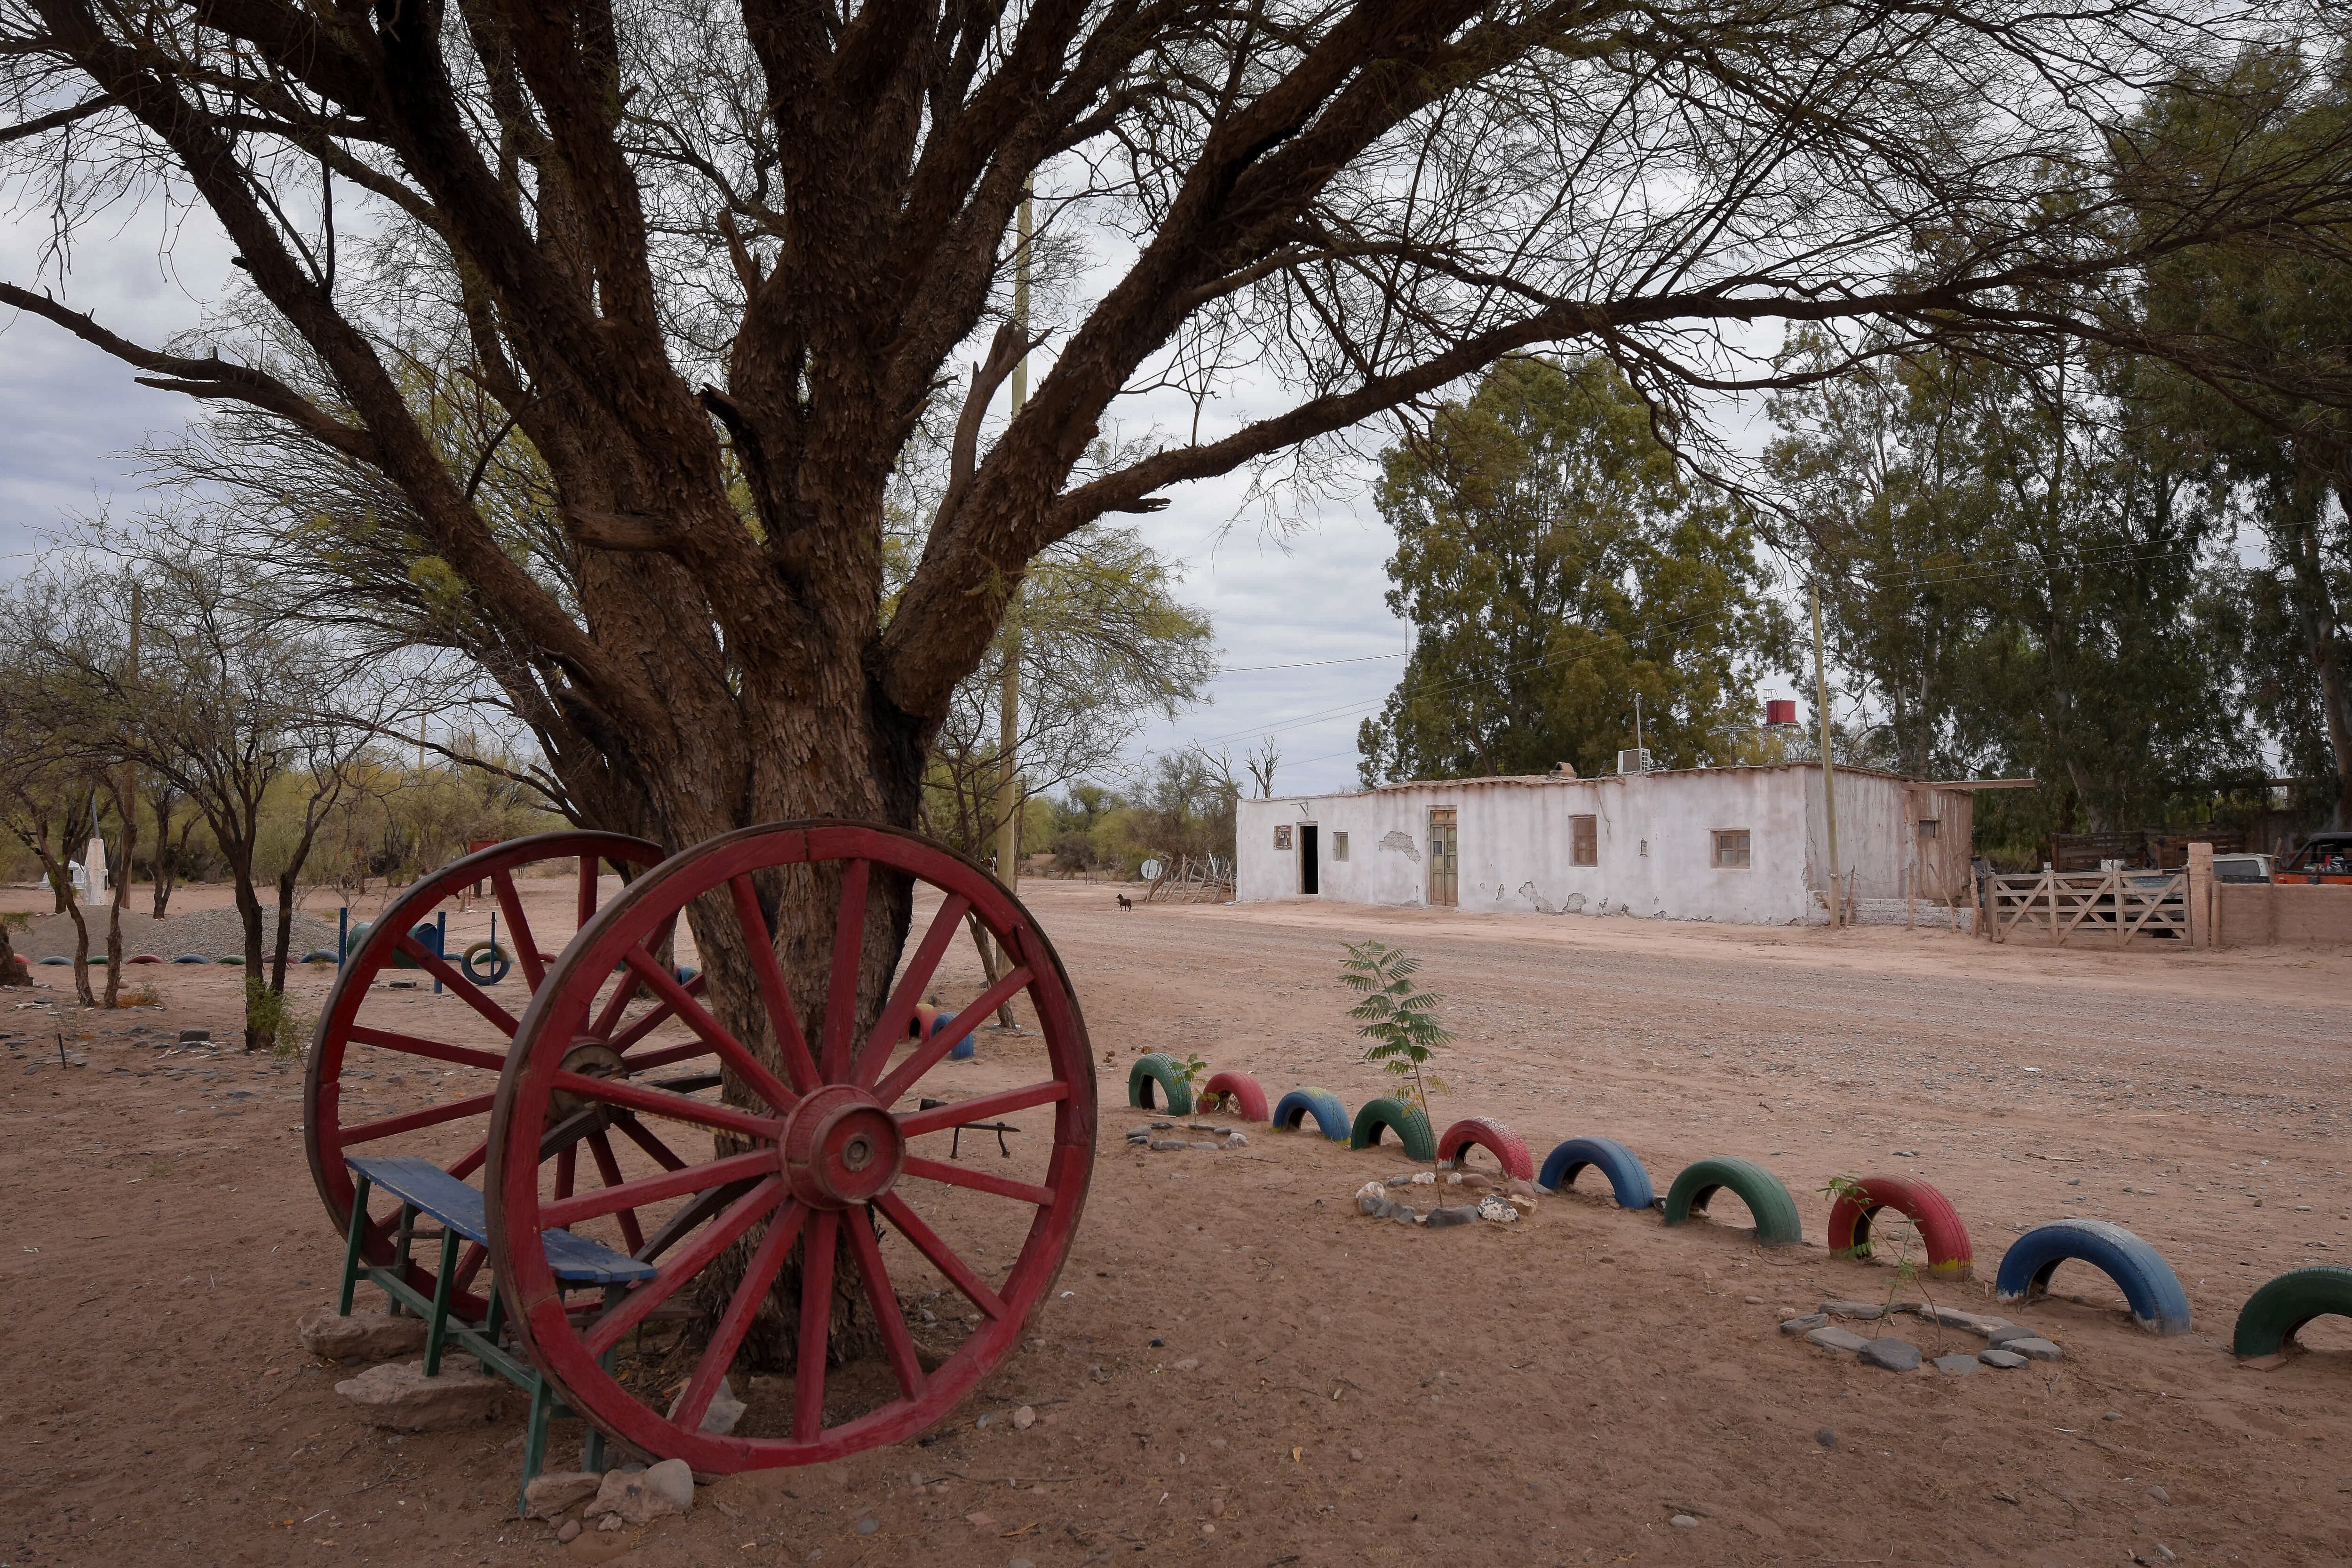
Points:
(1008, 734)
(1637, 720)
(1828, 769)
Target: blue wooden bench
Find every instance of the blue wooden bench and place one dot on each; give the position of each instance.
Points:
(425, 1188)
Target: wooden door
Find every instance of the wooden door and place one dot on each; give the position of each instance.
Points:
(1444, 857)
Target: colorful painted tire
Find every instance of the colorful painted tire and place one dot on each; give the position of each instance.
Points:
(151, 958)
(1410, 1122)
(2273, 1314)
(360, 1028)
(183, 958)
(1234, 1094)
(2159, 1304)
(53, 960)
(1766, 1196)
(1331, 1117)
(316, 955)
(1946, 1240)
(821, 1147)
(1492, 1136)
(1627, 1179)
(487, 963)
(1159, 1068)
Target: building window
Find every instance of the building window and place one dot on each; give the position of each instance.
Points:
(1584, 841)
(1282, 836)
(1731, 850)
(1339, 845)
(1930, 828)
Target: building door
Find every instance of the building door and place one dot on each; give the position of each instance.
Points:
(1444, 857)
(1310, 867)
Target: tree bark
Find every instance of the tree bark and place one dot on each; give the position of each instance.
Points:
(2318, 610)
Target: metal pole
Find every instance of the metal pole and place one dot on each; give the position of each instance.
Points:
(1008, 737)
(1828, 769)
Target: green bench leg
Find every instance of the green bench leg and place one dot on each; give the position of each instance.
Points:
(534, 1443)
(437, 1332)
(400, 1251)
(351, 1245)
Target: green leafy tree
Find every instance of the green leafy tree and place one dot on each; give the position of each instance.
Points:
(1396, 1015)
(1556, 562)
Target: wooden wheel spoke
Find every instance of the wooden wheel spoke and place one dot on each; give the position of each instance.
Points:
(741, 1307)
(471, 1161)
(659, 1103)
(930, 1053)
(892, 1317)
(608, 1170)
(892, 1025)
(633, 979)
(816, 1324)
(748, 1068)
(848, 957)
(653, 1189)
(985, 1108)
(571, 1130)
(567, 1170)
(926, 1240)
(417, 1046)
(470, 1263)
(534, 967)
(637, 1132)
(978, 1180)
(799, 1066)
(638, 1304)
(431, 1116)
(465, 990)
(590, 866)
(683, 1223)
(662, 1057)
(656, 1017)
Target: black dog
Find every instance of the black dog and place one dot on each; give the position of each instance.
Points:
(1125, 903)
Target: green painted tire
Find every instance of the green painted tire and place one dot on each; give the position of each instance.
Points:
(1410, 1123)
(2273, 1315)
(1766, 1197)
(1159, 1068)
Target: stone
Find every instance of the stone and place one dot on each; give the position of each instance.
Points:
(1476, 1183)
(371, 1336)
(1439, 1218)
(1517, 1188)
(1025, 1418)
(570, 1531)
(1161, 1126)
(1143, 1132)
(635, 1497)
(1836, 1338)
(868, 1525)
(550, 1495)
(1894, 1354)
(1867, 1312)
(2034, 1349)
(2113, 1415)
(397, 1396)
(2160, 1494)
(1235, 1141)
(1683, 1522)
(1956, 1366)
(1496, 1210)
(1805, 1324)
(1163, 1145)
(724, 1411)
(1423, 1178)
(1404, 1180)
(1202, 1145)
(2007, 1331)
(2007, 1361)
(1954, 1318)
(1366, 1203)
(1826, 1436)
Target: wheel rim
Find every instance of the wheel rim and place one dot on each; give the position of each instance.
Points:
(456, 1133)
(826, 1162)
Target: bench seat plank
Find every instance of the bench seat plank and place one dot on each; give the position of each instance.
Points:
(429, 1189)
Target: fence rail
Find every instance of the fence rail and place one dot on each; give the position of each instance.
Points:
(2117, 904)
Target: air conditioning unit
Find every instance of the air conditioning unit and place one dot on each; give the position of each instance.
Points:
(1634, 760)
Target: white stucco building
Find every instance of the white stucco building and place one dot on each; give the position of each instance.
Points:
(1743, 844)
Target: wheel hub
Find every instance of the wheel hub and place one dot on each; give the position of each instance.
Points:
(841, 1147)
(589, 1059)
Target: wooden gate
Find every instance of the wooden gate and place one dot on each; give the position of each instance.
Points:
(2116, 904)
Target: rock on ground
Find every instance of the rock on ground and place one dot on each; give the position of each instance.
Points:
(371, 1336)
(398, 1396)
(1956, 1365)
(2007, 1360)
(1894, 1354)
(1466, 1214)
(1805, 1324)
(640, 1497)
(2034, 1348)
(550, 1495)
(1836, 1338)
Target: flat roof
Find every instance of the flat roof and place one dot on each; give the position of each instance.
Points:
(1537, 781)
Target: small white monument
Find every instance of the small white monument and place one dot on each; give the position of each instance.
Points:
(89, 877)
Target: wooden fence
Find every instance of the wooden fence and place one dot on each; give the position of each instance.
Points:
(2117, 905)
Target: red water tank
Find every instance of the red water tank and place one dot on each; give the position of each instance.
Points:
(1780, 711)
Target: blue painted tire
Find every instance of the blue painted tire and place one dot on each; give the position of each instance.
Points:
(961, 1051)
(2159, 1304)
(1410, 1122)
(686, 973)
(1778, 1223)
(1331, 1117)
(1159, 1068)
(69, 960)
(191, 958)
(487, 963)
(1627, 1179)
(316, 955)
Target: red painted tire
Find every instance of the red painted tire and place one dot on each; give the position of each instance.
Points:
(1946, 1240)
(812, 1148)
(360, 1036)
(1492, 1136)
(1235, 1094)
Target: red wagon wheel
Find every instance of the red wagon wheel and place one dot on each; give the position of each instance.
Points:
(821, 1154)
(455, 1133)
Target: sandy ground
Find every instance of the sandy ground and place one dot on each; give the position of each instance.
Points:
(1330, 1388)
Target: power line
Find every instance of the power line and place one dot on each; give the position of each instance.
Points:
(1312, 663)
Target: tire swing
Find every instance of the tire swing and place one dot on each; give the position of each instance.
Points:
(485, 963)
(2276, 1313)
(2159, 1304)
(1946, 1238)
(1627, 1180)
(1410, 1122)
(817, 1147)
(1492, 1136)
(1234, 1094)
(1291, 1112)
(1159, 1068)
(1766, 1197)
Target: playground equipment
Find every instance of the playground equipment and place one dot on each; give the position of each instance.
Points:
(1766, 1197)
(1939, 1223)
(2159, 1304)
(809, 1154)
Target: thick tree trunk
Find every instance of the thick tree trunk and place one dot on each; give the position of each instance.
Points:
(12, 970)
(167, 850)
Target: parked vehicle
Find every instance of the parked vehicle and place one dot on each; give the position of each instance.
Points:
(2324, 858)
(2243, 867)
